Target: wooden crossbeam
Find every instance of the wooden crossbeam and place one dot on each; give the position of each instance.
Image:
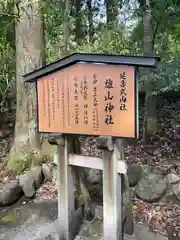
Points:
(93, 162)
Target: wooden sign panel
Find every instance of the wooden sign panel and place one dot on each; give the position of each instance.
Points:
(90, 99)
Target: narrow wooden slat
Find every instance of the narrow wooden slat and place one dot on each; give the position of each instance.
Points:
(94, 162)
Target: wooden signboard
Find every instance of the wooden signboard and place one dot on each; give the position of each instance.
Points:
(89, 94)
(93, 99)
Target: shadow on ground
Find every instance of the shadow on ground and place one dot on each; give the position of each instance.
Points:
(38, 222)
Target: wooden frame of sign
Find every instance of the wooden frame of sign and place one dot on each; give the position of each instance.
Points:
(90, 94)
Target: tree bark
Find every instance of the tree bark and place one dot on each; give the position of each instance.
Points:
(29, 56)
(111, 13)
(66, 27)
(90, 19)
(150, 118)
(78, 22)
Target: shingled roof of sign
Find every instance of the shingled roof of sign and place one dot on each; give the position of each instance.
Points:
(138, 61)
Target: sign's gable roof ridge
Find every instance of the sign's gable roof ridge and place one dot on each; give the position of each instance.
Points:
(138, 61)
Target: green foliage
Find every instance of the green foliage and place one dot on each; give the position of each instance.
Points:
(8, 219)
(120, 41)
(108, 42)
(166, 18)
(18, 162)
(7, 48)
(6, 60)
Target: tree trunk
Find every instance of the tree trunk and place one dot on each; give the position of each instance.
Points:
(150, 118)
(112, 13)
(66, 27)
(90, 19)
(78, 22)
(29, 56)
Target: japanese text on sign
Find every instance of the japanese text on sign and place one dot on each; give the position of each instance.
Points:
(108, 101)
(123, 91)
(76, 98)
(95, 104)
(85, 98)
(89, 99)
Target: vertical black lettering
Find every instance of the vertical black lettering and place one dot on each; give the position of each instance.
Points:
(68, 101)
(123, 92)
(49, 108)
(58, 93)
(95, 113)
(63, 107)
(109, 107)
(44, 98)
(85, 98)
(76, 98)
(53, 100)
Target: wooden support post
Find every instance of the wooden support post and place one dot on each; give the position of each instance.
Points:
(127, 214)
(65, 190)
(112, 164)
(111, 197)
(112, 205)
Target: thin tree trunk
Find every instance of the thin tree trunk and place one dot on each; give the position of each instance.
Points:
(78, 22)
(112, 13)
(90, 19)
(29, 56)
(66, 27)
(150, 119)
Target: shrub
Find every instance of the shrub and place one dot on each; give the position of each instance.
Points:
(18, 162)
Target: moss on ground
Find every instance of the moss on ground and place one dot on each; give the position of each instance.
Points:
(8, 219)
